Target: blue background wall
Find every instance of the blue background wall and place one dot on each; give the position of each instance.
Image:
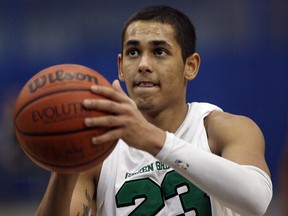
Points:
(243, 45)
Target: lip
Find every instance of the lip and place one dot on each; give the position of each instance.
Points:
(146, 88)
(145, 84)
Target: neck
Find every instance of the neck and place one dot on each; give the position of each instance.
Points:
(169, 119)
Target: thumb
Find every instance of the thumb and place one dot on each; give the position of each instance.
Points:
(116, 85)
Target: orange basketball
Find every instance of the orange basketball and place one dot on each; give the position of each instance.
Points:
(49, 119)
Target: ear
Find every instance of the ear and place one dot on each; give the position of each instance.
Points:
(192, 65)
(120, 71)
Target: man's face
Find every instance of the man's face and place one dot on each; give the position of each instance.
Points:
(152, 66)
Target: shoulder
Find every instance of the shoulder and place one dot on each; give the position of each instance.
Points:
(219, 121)
(236, 138)
(229, 129)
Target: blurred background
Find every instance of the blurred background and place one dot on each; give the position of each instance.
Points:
(244, 50)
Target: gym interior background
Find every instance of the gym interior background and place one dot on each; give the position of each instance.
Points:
(244, 50)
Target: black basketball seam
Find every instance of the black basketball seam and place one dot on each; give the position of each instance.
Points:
(70, 166)
(49, 94)
(56, 133)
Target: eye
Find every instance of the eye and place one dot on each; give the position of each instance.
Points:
(160, 52)
(133, 52)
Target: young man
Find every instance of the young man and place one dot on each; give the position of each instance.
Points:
(172, 158)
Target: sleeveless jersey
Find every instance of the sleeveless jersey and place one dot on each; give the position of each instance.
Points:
(133, 182)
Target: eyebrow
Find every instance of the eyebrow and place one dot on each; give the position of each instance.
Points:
(160, 43)
(132, 43)
(154, 43)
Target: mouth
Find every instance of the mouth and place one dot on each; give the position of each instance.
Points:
(145, 84)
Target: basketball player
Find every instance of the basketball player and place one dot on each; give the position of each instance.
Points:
(172, 157)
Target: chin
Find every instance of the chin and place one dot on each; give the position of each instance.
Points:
(147, 104)
(145, 107)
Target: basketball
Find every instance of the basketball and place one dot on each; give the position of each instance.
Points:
(49, 119)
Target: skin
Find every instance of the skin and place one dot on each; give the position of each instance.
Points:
(156, 79)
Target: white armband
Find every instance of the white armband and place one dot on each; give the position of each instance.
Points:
(246, 190)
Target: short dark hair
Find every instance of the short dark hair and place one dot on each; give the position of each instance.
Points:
(184, 30)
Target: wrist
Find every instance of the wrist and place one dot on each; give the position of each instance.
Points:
(155, 141)
(65, 182)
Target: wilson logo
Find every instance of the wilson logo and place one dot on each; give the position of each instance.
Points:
(59, 76)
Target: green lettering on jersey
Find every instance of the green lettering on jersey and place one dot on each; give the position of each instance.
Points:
(153, 195)
(144, 169)
(161, 166)
(194, 199)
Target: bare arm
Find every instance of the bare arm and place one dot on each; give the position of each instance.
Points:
(56, 200)
(236, 138)
(69, 194)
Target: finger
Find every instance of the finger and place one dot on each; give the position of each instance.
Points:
(109, 136)
(102, 121)
(106, 106)
(111, 93)
(116, 85)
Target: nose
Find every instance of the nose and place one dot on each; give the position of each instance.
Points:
(144, 64)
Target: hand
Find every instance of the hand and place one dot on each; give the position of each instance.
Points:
(124, 120)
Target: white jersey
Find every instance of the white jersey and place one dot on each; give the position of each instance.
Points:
(133, 182)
